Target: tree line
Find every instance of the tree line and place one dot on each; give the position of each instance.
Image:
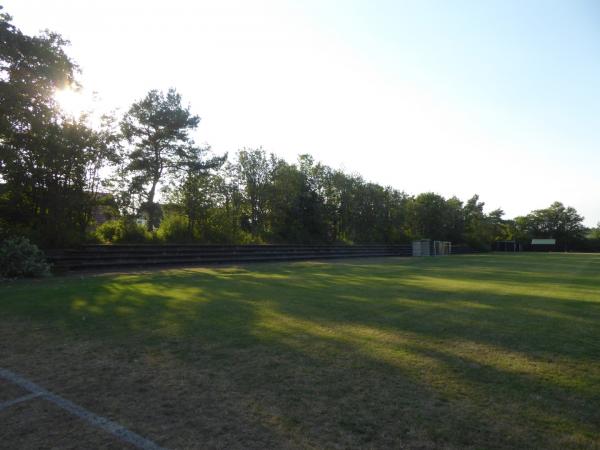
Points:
(144, 172)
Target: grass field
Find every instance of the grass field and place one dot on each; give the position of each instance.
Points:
(478, 351)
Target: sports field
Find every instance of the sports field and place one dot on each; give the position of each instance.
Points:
(478, 351)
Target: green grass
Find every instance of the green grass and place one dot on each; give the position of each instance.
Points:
(480, 351)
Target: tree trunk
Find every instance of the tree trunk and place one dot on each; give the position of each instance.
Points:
(151, 207)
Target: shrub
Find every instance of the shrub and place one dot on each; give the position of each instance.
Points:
(122, 231)
(174, 228)
(108, 231)
(21, 258)
(134, 233)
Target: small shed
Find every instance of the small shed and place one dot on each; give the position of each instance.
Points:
(422, 247)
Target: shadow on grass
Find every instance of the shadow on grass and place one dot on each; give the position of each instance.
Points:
(482, 351)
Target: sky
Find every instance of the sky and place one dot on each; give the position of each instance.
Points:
(496, 98)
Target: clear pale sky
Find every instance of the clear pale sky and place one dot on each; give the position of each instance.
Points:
(499, 98)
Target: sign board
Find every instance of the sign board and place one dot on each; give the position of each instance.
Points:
(543, 242)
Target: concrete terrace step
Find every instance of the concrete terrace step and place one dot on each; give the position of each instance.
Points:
(77, 256)
(215, 256)
(218, 249)
(83, 265)
(105, 257)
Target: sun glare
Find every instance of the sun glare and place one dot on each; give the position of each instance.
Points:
(73, 102)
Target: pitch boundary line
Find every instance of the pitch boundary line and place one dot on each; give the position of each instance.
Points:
(23, 398)
(93, 419)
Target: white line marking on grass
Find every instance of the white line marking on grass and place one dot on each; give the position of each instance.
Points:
(24, 398)
(98, 421)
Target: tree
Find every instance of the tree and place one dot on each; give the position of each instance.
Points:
(198, 192)
(156, 129)
(520, 229)
(478, 233)
(428, 216)
(557, 221)
(229, 187)
(343, 197)
(499, 227)
(455, 218)
(255, 171)
(370, 213)
(595, 232)
(49, 162)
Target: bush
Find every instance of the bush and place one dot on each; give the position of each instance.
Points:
(108, 231)
(122, 231)
(21, 258)
(134, 233)
(174, 228)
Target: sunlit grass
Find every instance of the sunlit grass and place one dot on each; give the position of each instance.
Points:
(491, 351)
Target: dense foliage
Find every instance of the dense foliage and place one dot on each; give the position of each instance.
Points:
(49, 162)
(557, 221)
(158, 185)
(21, 258)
